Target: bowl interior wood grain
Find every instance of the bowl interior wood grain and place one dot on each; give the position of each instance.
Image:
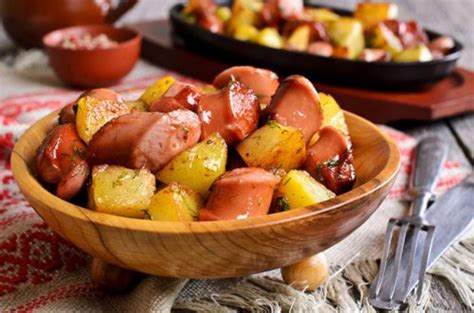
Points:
(222, 248)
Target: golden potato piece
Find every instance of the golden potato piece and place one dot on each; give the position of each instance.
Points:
(332, 116)
(347, 33)
(245, 32)
(418, 54)
(382, 37)
(137, 105)
(372, 13)
(269, 37)
(157, 90)
(243, 17)
(198, 166)
(321, 15)
(274, 146)
(332, 113)
(93, 113)
(299, 39)
(121, 191)
(223, 13)
(175, 203)
(298, 189)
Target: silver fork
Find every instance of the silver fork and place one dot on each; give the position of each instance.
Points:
(388, 291)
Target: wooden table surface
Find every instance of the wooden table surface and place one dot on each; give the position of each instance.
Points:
(451, 17)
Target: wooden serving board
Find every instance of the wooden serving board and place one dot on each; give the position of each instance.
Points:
(451, 96)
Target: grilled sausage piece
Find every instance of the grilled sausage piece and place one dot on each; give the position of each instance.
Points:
(61, 160)
(240, 194)
(144, 139)
(68, 113)
(262, 81)
(233, 112)
(179, 96)
(296, 104)
(329, 161)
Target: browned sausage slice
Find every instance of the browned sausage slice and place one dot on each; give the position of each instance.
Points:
(262, 81)
(296, 104)
(67, 114)
(179, 96)
(329, 161)
(144, 139)
(61, 160)
(233, 112)
(330, 144)
(240, 194)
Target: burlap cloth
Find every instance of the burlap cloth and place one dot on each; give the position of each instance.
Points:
(40, 271)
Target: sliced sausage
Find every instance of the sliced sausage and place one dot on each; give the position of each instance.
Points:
(410, 33)
(374, 55)
(262, 81)
(210, 21)
(61, 160)
(233, 112)
(144, 139)
(317, 31)
(290, 9)
(296, 104)
(330, 144)
(321, 48)
(179, 96)
(442, 43)
(102, 94)
(329, 161)
(240, 194)
(68, 113)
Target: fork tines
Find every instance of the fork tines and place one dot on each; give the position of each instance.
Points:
(410, 258)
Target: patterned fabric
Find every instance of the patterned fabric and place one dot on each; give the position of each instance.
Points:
(40, 270)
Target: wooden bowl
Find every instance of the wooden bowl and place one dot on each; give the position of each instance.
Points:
(97, 67)
(222, 248)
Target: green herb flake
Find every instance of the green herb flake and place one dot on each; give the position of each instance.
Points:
(282, 204)
(147, 215)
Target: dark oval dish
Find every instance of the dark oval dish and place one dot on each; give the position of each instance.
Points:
(332, 70)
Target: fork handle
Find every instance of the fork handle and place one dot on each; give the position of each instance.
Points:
(430, 156)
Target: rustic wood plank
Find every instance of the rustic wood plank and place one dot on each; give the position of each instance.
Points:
(463, 129)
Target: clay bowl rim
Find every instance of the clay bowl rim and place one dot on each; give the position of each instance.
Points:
(50, 43)
(32, 189)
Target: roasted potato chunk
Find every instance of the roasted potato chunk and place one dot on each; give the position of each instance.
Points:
(158, 89)
(121, 191)
(223, 13)
(418, 54)
(299, 39)
(274, 146)
(93, 113)
(245, 32)
(347, 33)
(137, 105)
(198, 166)
(243, 17)
(372, 13)
(332, 114)
(269, 37)
(382, 37)
(321, 15)
(298, 189)
(175, 203)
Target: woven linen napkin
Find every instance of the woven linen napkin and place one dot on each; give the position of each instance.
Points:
(41, 271)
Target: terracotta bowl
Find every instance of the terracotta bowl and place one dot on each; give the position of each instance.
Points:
(93, 68)
(222, 248)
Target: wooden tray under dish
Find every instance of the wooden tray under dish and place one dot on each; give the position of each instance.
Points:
(451, 96)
